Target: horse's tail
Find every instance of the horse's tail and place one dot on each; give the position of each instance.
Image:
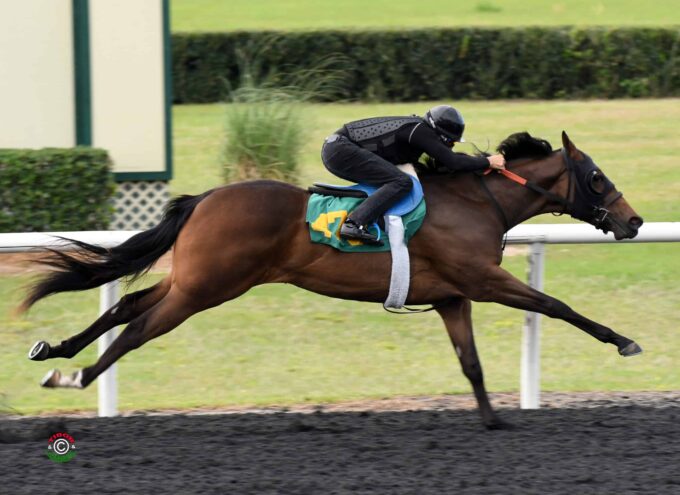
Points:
(90, 266)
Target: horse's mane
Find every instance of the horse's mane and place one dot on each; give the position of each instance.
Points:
(524, 145)
(514, 147)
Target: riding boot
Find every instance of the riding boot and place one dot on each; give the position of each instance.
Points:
(352, 230)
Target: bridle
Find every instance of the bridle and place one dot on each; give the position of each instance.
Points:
(583, 201)
(587, 192)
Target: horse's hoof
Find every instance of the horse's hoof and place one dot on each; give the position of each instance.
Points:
(40, 351)
(630, 350)
(51, 379)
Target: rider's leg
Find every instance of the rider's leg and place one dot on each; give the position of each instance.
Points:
(398, 185)
(351, 162)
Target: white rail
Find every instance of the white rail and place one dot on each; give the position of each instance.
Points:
(536, 235)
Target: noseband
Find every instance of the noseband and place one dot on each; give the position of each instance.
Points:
(587, 192)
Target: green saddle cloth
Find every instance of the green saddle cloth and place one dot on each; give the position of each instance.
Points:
(326, 214)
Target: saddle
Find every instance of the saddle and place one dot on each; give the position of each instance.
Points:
(329, 206)
(404, 206)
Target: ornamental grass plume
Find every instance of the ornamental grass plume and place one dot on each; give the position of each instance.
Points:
(267, 115)
(264, 135)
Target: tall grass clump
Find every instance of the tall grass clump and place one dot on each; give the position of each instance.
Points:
(267, 120)
(264, 135)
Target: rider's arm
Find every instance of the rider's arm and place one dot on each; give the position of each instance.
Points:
(425, 139)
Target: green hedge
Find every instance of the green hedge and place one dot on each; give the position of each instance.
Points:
(447, 63)
(55, 190)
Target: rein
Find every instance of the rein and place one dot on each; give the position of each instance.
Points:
(534, 187)
(598, 212)
(494, 202)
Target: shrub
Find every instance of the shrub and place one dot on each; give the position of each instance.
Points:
(55, 190)
(436, 64)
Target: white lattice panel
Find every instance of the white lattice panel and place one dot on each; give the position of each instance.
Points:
(139, 204)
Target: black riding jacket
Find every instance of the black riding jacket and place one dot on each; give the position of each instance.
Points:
(410, 141)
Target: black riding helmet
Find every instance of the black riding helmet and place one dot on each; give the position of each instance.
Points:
(448, 122)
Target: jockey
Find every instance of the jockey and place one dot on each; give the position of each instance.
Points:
(367, 151)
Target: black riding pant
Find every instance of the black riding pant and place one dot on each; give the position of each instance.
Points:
(349, 161)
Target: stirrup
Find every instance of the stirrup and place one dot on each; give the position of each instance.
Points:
(350, 230)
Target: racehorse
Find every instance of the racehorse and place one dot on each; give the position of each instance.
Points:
(232, 238)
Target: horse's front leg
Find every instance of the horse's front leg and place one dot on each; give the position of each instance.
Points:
(458, 320)
(501, 287)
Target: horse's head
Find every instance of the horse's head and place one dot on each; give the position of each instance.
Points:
(594, 198)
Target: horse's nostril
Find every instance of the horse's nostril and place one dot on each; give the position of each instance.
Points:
(635, 222)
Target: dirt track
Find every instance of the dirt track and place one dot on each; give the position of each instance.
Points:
(620, 446)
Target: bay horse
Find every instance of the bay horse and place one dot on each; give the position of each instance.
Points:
(232, 238)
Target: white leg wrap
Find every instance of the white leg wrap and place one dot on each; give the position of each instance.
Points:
(54, 378)
(73, 381)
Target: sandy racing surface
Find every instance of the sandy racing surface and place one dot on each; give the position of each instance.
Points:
(597, 444)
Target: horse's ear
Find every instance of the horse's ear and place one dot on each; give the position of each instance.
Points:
(573, 152)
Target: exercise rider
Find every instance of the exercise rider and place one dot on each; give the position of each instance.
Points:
(367, 151)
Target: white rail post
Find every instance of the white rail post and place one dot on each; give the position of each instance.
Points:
(530, 385)
(107, 386)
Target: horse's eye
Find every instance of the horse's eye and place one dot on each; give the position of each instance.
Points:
(596, 182)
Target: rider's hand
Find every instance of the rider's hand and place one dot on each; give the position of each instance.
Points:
(496, 162)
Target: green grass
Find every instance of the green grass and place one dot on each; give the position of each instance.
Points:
(220, 15)
(281, 345)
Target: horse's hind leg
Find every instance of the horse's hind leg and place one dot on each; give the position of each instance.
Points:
(458, 320)
(172, 310)
(129, 307)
